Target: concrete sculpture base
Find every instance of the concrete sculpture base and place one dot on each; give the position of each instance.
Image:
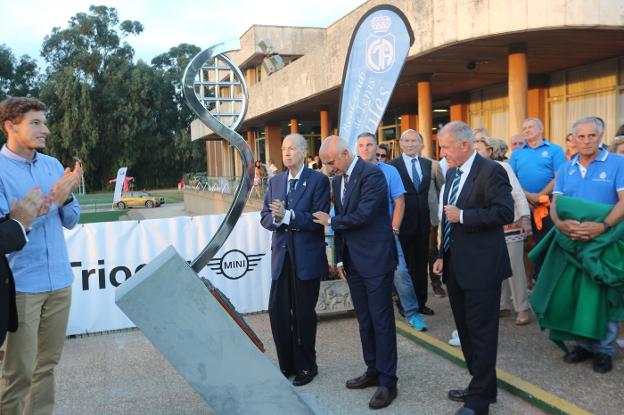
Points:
(178, 314)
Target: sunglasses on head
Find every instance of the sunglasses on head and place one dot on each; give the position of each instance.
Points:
(383, 156)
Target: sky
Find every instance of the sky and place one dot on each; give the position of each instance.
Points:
(166, 23)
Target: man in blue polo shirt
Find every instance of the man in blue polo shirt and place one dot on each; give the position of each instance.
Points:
(367, 148)
(593, 174)
(536, 164)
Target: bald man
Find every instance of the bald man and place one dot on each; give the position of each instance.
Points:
(367, 258)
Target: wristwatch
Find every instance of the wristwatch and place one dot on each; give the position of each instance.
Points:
(395, 231)
(606, 225)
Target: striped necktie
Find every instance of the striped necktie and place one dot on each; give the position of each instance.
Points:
(415, 176)
(291, 188)
(452, 199)
(345, 178)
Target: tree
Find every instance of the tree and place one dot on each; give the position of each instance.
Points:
(18, 78)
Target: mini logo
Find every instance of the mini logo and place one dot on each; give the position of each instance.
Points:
(380, 46)
(234, 264)
(545, 153)
(572, 172)
(603, 175)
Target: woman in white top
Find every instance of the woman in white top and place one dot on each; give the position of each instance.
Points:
(514, 288)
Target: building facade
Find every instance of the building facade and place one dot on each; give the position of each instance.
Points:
(490, 63)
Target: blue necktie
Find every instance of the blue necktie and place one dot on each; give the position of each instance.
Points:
(345, 178)
(415, 176)
(291, 188)
(452, 199)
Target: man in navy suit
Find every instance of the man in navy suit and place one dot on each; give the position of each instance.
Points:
(298, 258)
(367, 257)
(473, 258)
(13, 238)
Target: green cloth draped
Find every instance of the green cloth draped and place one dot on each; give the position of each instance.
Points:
(580, 286)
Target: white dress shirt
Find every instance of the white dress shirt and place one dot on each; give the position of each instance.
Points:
(408, 165)
(287, 215)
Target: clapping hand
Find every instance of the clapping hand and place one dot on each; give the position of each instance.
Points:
(66, 184)
(278, 210)
(32, 205)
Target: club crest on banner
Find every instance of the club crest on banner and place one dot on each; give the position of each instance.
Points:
(380, 46)
(234, 264)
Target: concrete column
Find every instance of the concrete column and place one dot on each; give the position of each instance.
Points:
(409, 121)
(273, 143)
(325, 124)
(251, 140)
(536, 107)
(425, 115)
(518, 88)
(294, 125)
(250, 76)
(459, 109)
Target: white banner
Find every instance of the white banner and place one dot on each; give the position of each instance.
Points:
(104, 255)
(119, 184)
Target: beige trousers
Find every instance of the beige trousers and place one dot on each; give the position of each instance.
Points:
(515, 288)
(32, 353)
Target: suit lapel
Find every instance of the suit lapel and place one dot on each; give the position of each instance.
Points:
(301, 187)
(407, 181)
(281, 186)
(336, 180)
(469, 184)
(425, 168)
(353, 179)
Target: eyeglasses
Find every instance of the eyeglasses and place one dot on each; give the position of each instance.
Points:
(381, 156)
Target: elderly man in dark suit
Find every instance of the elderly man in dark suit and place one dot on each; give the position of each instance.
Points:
(298, 258)
(13, 238)
(415, 172)
(473, 258)
(366, 254)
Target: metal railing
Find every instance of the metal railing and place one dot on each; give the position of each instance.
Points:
(226, 185)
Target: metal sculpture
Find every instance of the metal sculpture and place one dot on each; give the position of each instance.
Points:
(215, 90)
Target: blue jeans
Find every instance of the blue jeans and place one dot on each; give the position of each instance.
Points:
(404, 285)
(606, 345)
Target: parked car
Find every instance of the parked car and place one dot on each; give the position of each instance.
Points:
(135, 199)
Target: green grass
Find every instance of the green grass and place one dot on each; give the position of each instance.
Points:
(106, 216)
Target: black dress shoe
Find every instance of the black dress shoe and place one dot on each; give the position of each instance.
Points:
(287, 372)
(363, 381)
(602, 363)
(459, 395)
(578, 354)
(382, 397)
(305, 376)
(426, 311)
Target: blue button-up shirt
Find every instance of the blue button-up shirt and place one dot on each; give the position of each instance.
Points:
(43, 264)
(600, 182)
(536, 167)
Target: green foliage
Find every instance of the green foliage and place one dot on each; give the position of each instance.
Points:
(112, 112)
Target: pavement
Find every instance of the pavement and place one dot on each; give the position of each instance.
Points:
(122, 373)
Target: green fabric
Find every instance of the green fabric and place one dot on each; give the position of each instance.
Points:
(580, 286)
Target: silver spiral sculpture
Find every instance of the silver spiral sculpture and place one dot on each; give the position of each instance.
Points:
(215, 90)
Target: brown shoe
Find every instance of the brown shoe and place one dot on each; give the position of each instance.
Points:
(363, 381)
(382, 397)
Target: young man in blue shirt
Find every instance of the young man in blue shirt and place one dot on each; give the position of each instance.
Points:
(367, 147)
(43, 276)
(597, 175)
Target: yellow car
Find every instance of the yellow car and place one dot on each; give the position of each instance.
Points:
(139, 199)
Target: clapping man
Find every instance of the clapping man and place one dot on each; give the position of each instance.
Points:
(298, 258)
(43, 275)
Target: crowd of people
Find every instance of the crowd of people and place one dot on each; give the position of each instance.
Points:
(539, 233)
(469, 221)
